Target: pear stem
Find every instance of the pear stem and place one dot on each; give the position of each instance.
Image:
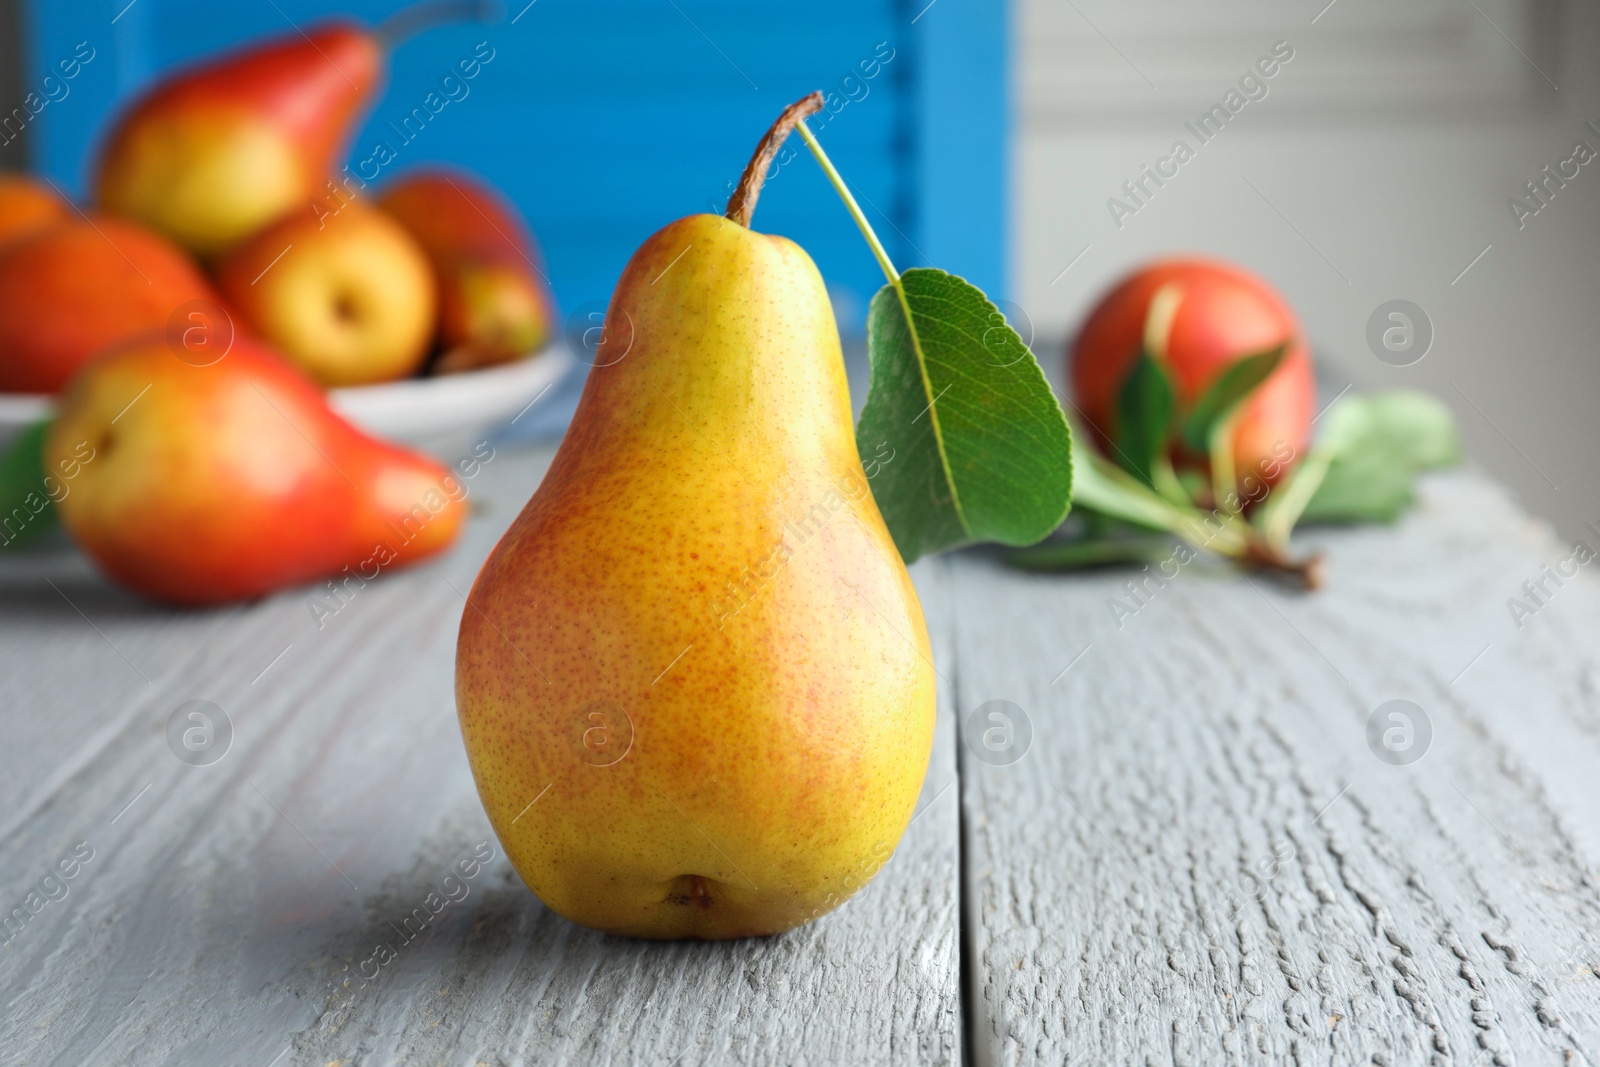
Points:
(410, 21)
(850, 204)
(743, 202)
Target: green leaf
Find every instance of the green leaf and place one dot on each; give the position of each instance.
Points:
(26, 510)
(1373, 447)
(1060, 554)
(1144, 418)
(1362, 485)
(983, 451)
(1419, 426)
(1349, 422)
(1236, 382)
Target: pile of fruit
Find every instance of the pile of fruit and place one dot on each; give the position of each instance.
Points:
(1196, 381)
(227, 273)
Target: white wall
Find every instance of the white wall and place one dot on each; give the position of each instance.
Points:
(1377, 167)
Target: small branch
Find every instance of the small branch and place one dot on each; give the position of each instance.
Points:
(1308, 571)
(1224, 478)
(1245, 545)
(743, 202)
(1103, 487)
(1289, 498)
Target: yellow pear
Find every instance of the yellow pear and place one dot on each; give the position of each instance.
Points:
(349, 299)
(693, 678)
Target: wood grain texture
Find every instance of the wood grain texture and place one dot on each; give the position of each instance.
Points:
(233, 913)
(1441, 912)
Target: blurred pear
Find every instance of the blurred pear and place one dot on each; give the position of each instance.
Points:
(494, 302)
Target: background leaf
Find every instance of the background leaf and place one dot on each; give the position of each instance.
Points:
(1144, 418)
(1419, 426)
(26, 511)
(1070, 554)
(1376, 446)
(1236, 382)
(1363, 485)
(983, 451)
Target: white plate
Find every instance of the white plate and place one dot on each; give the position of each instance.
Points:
(416, 409)
(412, 411)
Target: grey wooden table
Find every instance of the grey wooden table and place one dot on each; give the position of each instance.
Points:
(1189, 853)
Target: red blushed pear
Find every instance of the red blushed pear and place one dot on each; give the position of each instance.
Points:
(27, 206)
(494, 302)
(206, 484)
(1224, 315)
(226, 146)
(694, 707)
(77, 287)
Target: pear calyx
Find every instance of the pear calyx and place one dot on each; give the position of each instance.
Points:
(743, 202)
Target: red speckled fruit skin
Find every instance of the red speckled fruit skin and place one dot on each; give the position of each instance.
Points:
(696, 653)
(201, 485)
(311, 83)
(479, 247)
(164, 160)
(27, 207)
(1226, 313)
(69, 291)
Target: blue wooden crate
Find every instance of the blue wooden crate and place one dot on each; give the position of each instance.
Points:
(605, 119)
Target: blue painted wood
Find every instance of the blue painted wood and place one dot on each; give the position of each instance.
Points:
(604, 120)
(962, 129)
(53, 33)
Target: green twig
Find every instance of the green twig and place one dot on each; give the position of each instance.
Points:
(1224, 479)
(843, 189)
(1277, 517)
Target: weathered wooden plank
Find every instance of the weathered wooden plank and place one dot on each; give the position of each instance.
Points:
(1443, 911)
(233, 912)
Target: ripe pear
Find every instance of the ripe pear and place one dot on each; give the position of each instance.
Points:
(223, 148)
(348, 297)
(693, 678)
(1225, 314)
(28, 206)
(494, 302)
(77, 287)
(198, 479)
